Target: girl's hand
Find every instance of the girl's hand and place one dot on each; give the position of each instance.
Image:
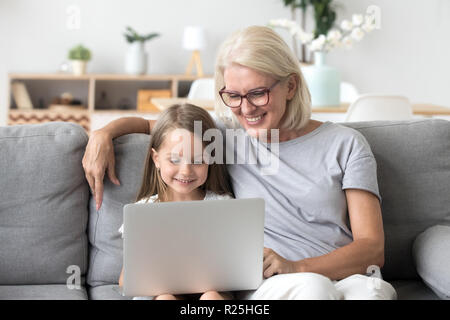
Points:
(99, 158)
(275, 264)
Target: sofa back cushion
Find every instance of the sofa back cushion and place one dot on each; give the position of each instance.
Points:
(413, 162)
(43, 203)
(413, 168)
(105, 241)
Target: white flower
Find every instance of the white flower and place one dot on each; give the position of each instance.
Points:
(334, 35)
(357, 34)
(349, 32)
(305, 37)
(368, 27)
(283, 23)
(357, 19)
(273, 22)
(369, 23)
(318, 43)
(295, 30)
(346, 25)
(347, 42)
(370, 19)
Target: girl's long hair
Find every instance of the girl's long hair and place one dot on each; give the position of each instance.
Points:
(180, 116)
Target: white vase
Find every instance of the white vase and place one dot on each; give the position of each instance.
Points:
(136, 59)
(323, 82)
(79, 67)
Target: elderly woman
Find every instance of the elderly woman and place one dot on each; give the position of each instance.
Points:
(323, 226)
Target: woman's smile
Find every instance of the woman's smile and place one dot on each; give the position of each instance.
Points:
(255, 120)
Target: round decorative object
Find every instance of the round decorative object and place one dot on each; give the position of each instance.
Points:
(323, 82)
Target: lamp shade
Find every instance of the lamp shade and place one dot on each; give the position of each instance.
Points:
(193, 38)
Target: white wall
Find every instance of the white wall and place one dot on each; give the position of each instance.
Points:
(408, 55)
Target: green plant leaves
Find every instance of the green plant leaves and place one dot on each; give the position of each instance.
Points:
(80, 53)
(324, 13)
(131, 35)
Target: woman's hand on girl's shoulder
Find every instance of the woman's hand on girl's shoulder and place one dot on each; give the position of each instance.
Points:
(99, 158)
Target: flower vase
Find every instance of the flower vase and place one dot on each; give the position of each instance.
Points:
(323, 82)
(136, 59)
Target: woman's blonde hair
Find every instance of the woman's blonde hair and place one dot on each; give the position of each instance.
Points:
(180, 116)
(263, 50)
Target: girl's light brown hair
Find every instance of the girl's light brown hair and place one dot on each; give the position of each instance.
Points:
(180, 116)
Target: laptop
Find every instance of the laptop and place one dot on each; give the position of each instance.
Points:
(193, 246)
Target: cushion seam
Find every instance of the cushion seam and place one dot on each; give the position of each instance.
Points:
(392, 125)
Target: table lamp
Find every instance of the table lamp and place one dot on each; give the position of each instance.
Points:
(194, 40)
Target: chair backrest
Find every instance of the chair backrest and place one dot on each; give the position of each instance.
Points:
(349, 93)
(371, 107)
(202, 89)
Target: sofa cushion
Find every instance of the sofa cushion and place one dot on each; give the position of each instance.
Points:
(431, 252)
(413, 290)
(43, 203)
(105, 241)
(42, 292)
(413, 168)
(106, 292)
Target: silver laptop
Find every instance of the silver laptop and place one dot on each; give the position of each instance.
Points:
(193, 246)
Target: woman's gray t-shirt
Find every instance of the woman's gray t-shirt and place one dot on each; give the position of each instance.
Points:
(306, 209)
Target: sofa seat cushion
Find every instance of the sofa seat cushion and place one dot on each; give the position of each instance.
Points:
(431, 253)
(413, 290)
(42, 292)
(106, 292)
(43, 203)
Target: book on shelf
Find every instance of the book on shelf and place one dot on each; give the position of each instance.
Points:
(21, 96)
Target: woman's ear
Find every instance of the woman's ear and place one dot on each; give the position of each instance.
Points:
(292, 85)
(155, 158)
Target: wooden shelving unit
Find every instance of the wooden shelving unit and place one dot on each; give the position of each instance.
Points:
(43, 87)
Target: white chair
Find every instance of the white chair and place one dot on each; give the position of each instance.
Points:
(202, 89)
(370, 107)
(349, 93)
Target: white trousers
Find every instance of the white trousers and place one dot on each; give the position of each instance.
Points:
(313, 286)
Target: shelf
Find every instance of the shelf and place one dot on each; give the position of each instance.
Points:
(114, 111)
(102, 76)
(120, 89)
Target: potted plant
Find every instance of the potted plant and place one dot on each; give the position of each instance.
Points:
(79, 56)
(323, 80)
(136, 57)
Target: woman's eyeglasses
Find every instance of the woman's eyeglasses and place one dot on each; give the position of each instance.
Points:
(257, 97)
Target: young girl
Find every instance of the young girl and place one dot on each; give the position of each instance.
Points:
(172, 174)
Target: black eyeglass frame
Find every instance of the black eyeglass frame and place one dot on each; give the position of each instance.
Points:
(265, 90)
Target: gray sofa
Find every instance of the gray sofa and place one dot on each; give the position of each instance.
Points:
(52, 238)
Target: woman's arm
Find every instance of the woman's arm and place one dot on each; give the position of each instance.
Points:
(366, 249)
(99, 154)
